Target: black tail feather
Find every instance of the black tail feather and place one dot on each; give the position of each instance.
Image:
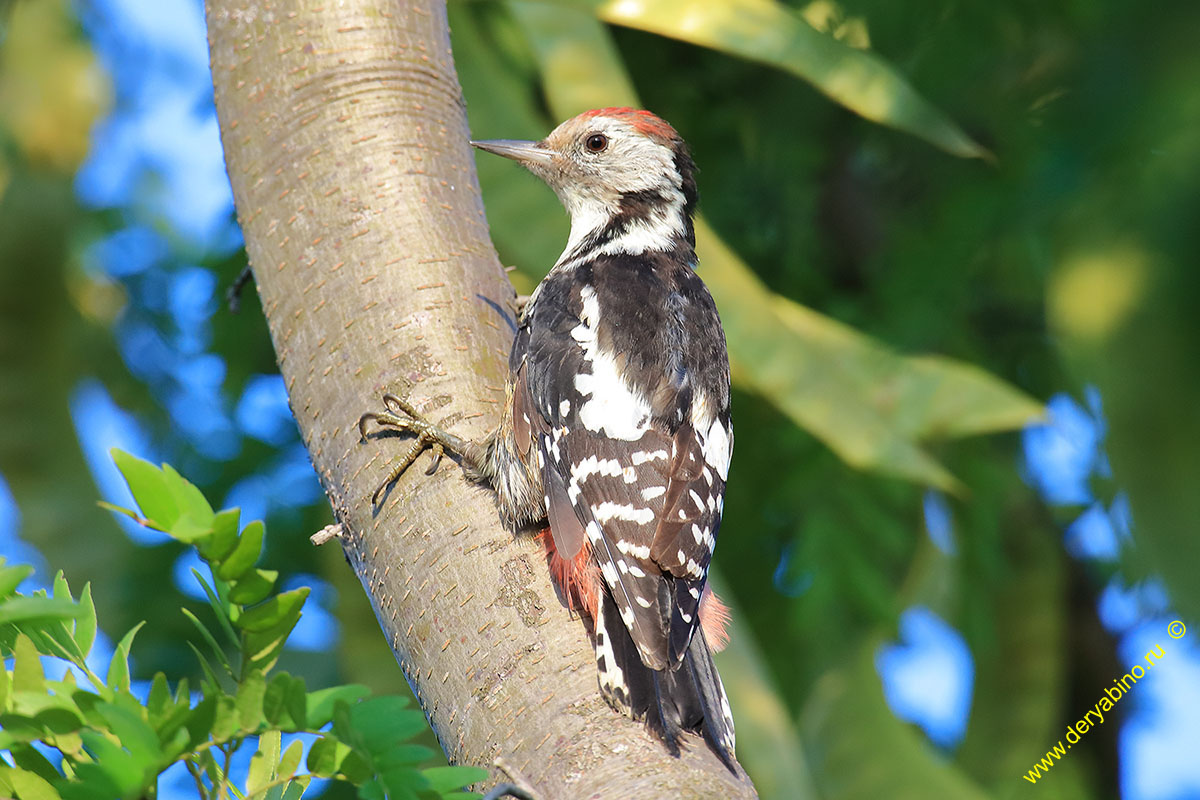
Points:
(662, 716)
(689, 697)
(710, 694)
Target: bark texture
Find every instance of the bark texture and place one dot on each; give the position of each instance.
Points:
(346, 142)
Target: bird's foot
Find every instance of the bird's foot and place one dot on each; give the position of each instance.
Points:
(401, 415)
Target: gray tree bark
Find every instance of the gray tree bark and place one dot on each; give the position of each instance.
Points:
(346, 143)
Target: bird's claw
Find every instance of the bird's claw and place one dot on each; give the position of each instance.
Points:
(401, 415)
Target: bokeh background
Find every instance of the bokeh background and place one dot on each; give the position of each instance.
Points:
(926, 223)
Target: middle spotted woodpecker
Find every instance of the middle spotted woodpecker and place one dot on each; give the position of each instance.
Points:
(616, 428)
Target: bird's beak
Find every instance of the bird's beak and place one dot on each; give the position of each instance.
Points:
(528, 153)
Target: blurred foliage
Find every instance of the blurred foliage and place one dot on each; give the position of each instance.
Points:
(767, 31)
(869, 405)
(108, 743)
(51, 88)
(940, 294)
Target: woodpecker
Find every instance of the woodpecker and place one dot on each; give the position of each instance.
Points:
(616, 428)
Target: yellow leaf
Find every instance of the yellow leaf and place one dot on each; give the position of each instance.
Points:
(51, 87)
(770, 33)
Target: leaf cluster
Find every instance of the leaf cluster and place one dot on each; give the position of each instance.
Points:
(87, 737)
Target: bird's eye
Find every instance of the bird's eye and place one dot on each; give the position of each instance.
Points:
(596, 142)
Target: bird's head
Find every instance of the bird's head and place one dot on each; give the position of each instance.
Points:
(622, 174)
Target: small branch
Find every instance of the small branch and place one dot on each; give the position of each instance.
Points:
(519, 787)
(233, 295)
(322, 536)
(194, 771)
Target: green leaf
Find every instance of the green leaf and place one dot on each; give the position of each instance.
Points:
(27, 673)
(322, 701)
(922, 397)
(32, 701)
(60, 587)
(56, 637)
(870, 405)
(224, 536)
(118, 667)
(30, 786)
(70, 744)
(86, 702)
(149, 488)
(290, 761)
(225, 725)
(377, 724)
(400, 754)
(5, 688)
(210, 675)
(295, 789)
(284, 704)
(280, 610)
(326, 755)
(212, 642)
(172, 730)
(245, 554)
(261, 650)
(28, 758)
(402, 782)
(200, 721)
(159, 701)
(253, 587)
(85, 623)
(19, 727)
(264, 763)
(250, 701)
(195, 514)
(221, 610)
(120, 770)
(37, 609)
(52, 638)
(445, 779)
(772, 34)
(51, 713)
(134, 733)
(356, 769)
(11, 577)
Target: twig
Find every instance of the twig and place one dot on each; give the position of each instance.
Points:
(322, 536)
(519, 787)
(233, 296)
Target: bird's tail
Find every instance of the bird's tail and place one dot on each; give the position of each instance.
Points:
(688, 697)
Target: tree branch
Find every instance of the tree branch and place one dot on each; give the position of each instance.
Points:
(346, 143)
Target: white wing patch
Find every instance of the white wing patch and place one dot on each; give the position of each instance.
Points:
(608, 510)
(651, 492)
(643, 456)
(611, 407)
(716, 448)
